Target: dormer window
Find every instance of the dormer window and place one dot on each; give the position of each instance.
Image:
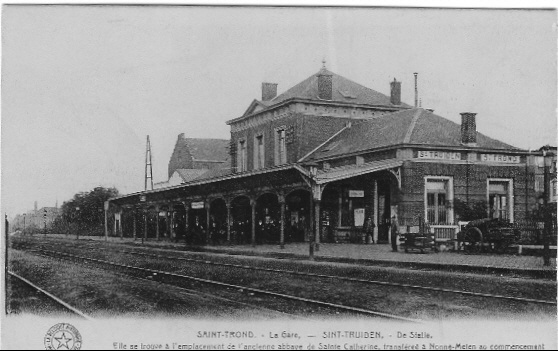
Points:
(347, 94)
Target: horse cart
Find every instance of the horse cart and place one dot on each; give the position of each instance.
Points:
(487, 234)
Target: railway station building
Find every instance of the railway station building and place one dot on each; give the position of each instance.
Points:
(330, 160)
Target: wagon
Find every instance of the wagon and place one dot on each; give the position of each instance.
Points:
(491, 234)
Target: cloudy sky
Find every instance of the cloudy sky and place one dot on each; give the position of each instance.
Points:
(82, 86)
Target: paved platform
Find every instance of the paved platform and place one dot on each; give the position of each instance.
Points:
(373, 254)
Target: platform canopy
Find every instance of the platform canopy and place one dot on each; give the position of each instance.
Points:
(349, 171)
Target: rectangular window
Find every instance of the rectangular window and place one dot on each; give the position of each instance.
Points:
(499, 199)
(242, 159)
(280, 147)
(259, 156)
(438, 200)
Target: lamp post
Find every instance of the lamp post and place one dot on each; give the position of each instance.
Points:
(44, 220)
(313, 169)
(77, 222)
(24, 224)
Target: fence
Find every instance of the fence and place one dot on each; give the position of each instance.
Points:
(531, 232)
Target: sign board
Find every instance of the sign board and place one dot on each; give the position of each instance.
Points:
(106, 205)
(356, 193)
(438, 155)
(142, 198)
(197, 205)
(499, 158)
(359, 217)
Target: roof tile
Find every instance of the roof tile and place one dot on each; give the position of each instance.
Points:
(414, 126)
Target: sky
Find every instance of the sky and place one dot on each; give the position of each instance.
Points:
(82, 86)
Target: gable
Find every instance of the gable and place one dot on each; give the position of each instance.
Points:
(254, 107)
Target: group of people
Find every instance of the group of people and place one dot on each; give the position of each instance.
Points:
(268, 230)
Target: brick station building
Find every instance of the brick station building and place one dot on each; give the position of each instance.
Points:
(319, 160)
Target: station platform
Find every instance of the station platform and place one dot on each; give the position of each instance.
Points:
(368, 254)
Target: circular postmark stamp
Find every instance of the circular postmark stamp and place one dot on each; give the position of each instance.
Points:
(63, 336)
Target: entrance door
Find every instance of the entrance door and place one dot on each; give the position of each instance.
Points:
(384, 216)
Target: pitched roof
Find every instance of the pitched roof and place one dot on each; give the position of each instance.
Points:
(214, 173)
(415, 126)
(208, 149)
(190, 174)
(344, 90)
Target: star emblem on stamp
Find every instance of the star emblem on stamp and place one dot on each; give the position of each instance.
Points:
(63, 336)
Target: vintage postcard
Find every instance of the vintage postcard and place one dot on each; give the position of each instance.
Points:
(241, 177)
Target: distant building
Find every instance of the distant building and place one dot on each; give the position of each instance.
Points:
(192, 153)
(193, 158)
(35, 218)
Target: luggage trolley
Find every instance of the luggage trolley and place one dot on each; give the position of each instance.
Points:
(419, 237)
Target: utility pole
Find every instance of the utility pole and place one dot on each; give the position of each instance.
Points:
(6, 229)
(416, 89)
(148, 165)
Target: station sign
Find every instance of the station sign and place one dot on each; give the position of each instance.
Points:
(356, 193)
(499, 158)
(438, 155)
(197, 205)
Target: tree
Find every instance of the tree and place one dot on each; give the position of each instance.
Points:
(85, 212)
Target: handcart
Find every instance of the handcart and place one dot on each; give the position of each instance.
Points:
(418, 238)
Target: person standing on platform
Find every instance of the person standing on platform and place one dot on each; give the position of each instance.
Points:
(369, 226)
(394, 232)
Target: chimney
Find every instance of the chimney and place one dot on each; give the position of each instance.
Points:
(395, 92)
(468, 129)
(181, 136)
(269, 91)
(325, 84)
(416, 89)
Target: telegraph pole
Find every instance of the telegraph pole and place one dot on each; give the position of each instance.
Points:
(148, 165)
(6, 229)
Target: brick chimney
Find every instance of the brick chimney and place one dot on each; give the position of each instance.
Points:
(468, 129)
(395, 92)
(325, 84)
(269, 91)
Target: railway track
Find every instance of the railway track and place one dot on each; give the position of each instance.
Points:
(52, 297)
(197, 294)
(331, 277)
(174, 279)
